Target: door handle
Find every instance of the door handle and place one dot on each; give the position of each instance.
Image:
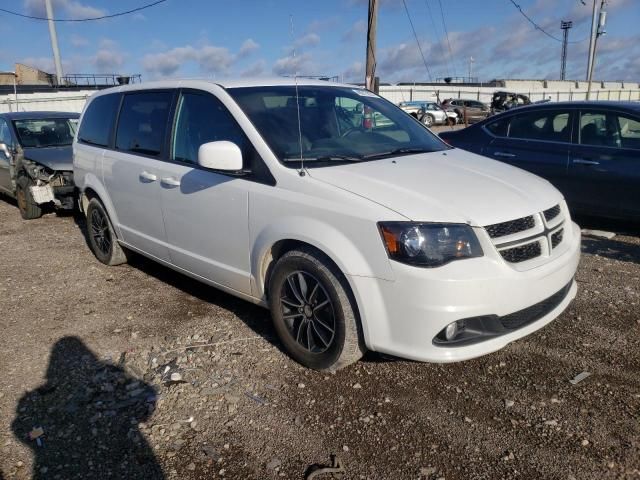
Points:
(584, 161)
(170, 182)
(148, 177)
(504, 154)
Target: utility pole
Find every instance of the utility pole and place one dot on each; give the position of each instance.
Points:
(565, 26)
(471, 60)
(597, 29)
(369, 79)
(54, 41)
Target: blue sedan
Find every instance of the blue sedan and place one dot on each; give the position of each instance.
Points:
(589, 150)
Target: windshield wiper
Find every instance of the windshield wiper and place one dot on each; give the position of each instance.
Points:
(397, 151)
(325, 158)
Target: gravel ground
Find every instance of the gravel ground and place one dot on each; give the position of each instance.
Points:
(138, 372)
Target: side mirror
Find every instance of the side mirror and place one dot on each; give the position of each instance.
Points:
(4, 149)
(222, 155)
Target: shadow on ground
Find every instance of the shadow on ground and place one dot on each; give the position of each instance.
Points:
(614, 249)
(83, 422)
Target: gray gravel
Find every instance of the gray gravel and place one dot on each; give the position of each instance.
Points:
(138, 372)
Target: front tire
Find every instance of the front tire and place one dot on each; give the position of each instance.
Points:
(313, 311)
(101, 235)
(428, 120)
(29, 209)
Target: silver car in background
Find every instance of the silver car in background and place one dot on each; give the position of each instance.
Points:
(430, 113)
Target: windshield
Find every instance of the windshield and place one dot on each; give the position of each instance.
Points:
(336, 124)
(45, 132)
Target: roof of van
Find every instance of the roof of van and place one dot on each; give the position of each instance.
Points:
(231, 83)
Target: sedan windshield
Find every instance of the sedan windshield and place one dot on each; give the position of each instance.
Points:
(45, 132)
(336, 124)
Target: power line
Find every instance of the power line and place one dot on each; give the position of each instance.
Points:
(447, 35)
(538, 27)
(119, 14)
(435, 35)
(424, 60)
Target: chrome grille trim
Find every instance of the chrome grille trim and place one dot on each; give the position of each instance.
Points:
(531, 237)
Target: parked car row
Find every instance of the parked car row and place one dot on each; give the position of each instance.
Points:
(355, 225)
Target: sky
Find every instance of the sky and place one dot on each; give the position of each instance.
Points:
(241, 38)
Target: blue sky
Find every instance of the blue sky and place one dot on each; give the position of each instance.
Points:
(214, 38)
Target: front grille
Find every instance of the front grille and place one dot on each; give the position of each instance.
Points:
(552, 213)
(513, 226)
(522, 253)
(534, 312)
(556, 238)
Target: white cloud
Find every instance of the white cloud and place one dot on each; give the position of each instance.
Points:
(356, 32)
(290, 65)
(248, 47)
(255, 70)
(308, 40)
(355, 73)
(210, 59)
(68, 8)
(78, 41)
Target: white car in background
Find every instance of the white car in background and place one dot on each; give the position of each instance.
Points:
(355, 234)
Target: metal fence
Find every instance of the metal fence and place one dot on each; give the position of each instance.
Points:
(397, 95)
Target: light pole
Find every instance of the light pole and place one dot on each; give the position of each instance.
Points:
(565, 26)
(597, 29)
(54, 41)
(471, 60)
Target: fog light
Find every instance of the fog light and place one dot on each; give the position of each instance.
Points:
(451, 331)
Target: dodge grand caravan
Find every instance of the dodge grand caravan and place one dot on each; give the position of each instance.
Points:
(354, 224)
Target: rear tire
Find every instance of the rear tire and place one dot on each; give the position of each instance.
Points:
(101, 235)
(313, 311)
(29, 209)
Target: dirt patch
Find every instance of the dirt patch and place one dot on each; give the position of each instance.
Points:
(183, 381)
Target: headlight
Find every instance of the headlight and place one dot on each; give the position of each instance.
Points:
(429, 244)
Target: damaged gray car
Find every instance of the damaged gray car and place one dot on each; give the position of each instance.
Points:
(36, 164)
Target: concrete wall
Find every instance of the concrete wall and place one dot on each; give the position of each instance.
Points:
(556, 90)
(74, 101)
(57, 101)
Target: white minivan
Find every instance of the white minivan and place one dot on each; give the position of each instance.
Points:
(354, 224)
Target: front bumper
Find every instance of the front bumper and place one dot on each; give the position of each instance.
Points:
(403, 317)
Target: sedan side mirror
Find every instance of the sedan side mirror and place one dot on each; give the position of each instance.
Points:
(4, 149)
(223, 155)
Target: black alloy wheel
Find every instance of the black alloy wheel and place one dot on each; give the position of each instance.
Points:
(308, 312)
(100, 232)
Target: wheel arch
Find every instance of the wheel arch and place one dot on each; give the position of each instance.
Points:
(93, 189)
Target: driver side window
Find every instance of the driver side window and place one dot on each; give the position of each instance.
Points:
(202, 118)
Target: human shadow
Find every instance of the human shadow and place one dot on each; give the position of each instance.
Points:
(83, 422)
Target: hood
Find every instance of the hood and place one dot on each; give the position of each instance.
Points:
(449, 186)
(56, 158)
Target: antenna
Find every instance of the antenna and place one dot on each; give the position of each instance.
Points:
(301, 172)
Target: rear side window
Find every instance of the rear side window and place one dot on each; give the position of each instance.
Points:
(98, 120)
(500, 128)
(547, 125)
(142, 122)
